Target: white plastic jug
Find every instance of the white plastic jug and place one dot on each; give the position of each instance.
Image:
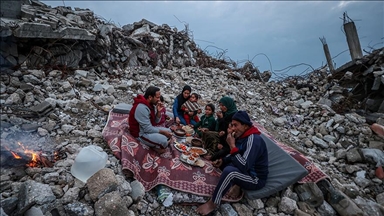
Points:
(89, 160)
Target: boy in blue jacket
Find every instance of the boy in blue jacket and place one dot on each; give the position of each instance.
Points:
(247, 164)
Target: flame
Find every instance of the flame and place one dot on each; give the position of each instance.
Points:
(34, 155)
(35, 158)
(15, 155)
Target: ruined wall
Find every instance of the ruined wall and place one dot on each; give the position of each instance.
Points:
(70, 39)
(10, 8)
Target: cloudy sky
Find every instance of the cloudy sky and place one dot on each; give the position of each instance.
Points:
(286, 33)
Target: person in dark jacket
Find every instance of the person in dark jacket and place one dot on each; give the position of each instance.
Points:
(145, 113)
(178, 113)
(246, 167)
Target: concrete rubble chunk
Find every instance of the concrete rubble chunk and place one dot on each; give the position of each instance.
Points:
(102, 182)
(43, 108)
(40, 30)
(111, 204)
(34, 211)
(77, 208)
(319, 142)
(32, 192)
(138, 191)
(354, 155)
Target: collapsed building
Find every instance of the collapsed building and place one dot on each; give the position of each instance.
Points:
(38, 36)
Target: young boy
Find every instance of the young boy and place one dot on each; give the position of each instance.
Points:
(191, 108)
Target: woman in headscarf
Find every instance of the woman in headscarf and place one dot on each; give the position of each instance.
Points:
(180, 100)
(215, 142)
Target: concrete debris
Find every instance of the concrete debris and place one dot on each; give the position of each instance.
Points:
(47, 106)
(39, 36)
(362, 83)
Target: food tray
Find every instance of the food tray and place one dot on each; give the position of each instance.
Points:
(180, 148)
(199, 162)
(198, 150)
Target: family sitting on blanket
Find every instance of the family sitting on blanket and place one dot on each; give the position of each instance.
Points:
(246, 167)
(144, 115)
(215, 141)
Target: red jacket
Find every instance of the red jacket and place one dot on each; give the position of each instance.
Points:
(134, 127)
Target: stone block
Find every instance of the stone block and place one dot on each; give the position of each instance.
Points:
(41, 30)
(42, 108)
(102, 182)
(111, 204)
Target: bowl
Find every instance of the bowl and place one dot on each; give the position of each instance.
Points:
(188, 129)
(196, 143)
(180, 132)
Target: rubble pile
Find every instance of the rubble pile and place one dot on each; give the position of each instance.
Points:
(62, 38)
(365, 80)
(48, 108)
(73, 112)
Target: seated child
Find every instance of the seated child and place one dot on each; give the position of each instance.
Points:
(164, 116)
(191, 108)
(207, 121)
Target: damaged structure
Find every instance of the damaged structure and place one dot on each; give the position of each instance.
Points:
(362, 77)
(38, 36)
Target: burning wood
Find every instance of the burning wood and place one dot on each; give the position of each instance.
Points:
(31, 158)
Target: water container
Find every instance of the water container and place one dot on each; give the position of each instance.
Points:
(89, 160)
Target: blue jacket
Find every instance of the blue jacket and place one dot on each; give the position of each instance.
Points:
(250, 155)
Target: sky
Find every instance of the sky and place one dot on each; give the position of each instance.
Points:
(273, 35)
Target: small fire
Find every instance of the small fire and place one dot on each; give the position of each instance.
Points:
(15, 155)
(35, 156)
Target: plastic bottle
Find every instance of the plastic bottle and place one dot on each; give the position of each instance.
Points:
(89, 160)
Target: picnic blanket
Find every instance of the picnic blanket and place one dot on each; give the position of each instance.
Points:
(152, 169)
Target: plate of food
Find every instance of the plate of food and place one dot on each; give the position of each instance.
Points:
(181, 147)
(197, 150)
(192, 161)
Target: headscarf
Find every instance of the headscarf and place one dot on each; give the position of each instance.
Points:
(229, 104)
(180, 98)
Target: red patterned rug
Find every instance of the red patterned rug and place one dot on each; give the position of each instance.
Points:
(152, 169)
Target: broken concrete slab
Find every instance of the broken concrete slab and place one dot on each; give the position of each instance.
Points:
(43, 108)
(40, 30)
